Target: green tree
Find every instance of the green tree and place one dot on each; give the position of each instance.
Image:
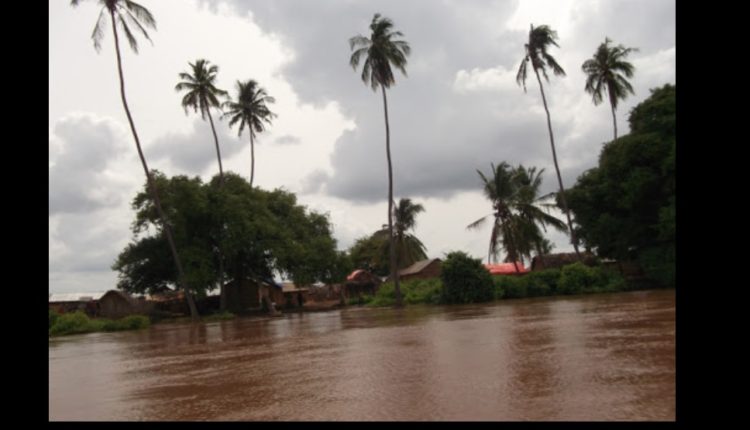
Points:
(465, 280)
(367, 253)
(518, 212)
(263, 233)
(607, 72)
(625, 206)
(380, 51)
(540, 40)
(409, 249)
(251, 109)
(202, 95)
(139, 16)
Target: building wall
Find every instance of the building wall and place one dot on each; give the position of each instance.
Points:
(114, 306)
(242, 297)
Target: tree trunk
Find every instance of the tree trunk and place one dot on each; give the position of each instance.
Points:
(216, 141)
(394, 269)
(222, 291)
(151, 184)
(252, 158)
(573, 239)
(614, 120)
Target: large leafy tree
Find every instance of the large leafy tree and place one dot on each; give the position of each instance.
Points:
(264, 233)
(381, 51)
(607, 72)
(122, 12)
(201, 95)
(251, 109)
(539, 42)
(625, 206)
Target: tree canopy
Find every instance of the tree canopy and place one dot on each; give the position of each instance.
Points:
(625, 207)
(261, 233)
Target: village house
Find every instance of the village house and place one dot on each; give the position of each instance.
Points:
(507, 269)
(424, 269)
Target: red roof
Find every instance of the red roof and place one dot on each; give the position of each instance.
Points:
(354, 274)
(505, 268)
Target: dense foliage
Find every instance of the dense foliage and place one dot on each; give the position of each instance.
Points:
(465, 279)
(261, 233)
(79, 322)
(625, 207)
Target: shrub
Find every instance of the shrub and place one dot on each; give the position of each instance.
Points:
(515, 287)
(465, 280)
(548, 277)
(76, 322)
(134, 322)
(53, 316)
(577, 278)
(422, 291)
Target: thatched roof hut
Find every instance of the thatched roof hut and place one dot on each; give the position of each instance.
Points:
(361, 282)
(117, 304)
(552, 261)
(424, 269)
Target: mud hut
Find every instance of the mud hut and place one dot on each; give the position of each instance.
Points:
(425, 269)
(360, 282)
(72, 302)
(117, 304)
(289, 295)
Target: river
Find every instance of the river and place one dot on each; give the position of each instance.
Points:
(581, 358)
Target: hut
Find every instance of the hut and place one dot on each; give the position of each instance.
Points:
(507, 269)
(289, 295)
(72, 302)
(361, 282)
(117, 304)
(553, 261)
(424, 269)
(250, 294)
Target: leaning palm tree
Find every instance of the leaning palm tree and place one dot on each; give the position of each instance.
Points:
(380, 51)
(202, 95)
(540, 39)
(250, 108)
(607, 71)
(118, 11)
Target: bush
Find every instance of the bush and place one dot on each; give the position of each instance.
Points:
(76, 322)
(465, 280)
(548, 277)
(515, 286)
(53, 316)
(422, 291)
(577, 278)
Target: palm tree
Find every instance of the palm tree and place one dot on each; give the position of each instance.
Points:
(250, 109)
(202, 95)
(500, 190)
(540, 39)
(380, 51)
(604, 72)
(409, 249)
(518, 212)
(138, 15)
(531, 208)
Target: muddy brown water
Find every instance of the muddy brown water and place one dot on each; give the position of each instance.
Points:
(596, 357)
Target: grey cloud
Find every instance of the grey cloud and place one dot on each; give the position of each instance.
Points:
(195, 152)
(440, 136)
(77, 180)
(288, 140)
(313, 182)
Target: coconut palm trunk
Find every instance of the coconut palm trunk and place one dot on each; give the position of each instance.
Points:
(222, 290)
(216, 141)
(394, 267)
(252, 158)
(151, 184)
(614, 120)
(557, 167)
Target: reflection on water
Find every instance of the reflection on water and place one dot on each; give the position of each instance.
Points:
(599, 357)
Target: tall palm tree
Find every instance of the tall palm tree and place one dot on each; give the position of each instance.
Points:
(540, 39)
(380, 51)
(250, 108)
(604, 72)
(118, 11)
(202, 95)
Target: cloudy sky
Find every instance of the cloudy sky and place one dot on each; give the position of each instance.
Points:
(458, 110)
